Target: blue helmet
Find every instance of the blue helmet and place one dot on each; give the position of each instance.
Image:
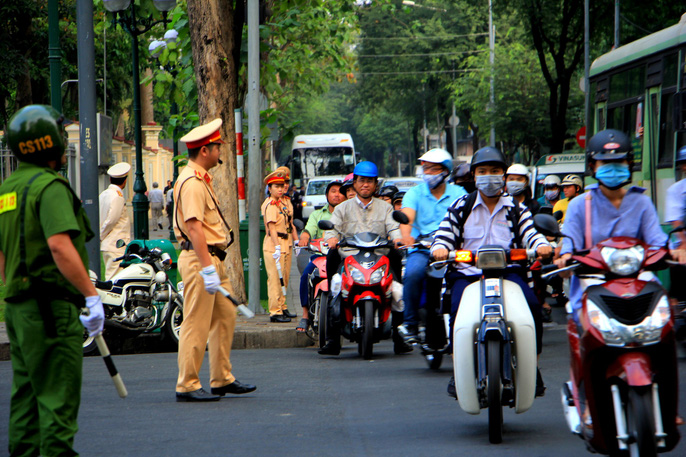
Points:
(681, 155)
(367, 169)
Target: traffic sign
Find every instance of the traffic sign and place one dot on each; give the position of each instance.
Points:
(581, 137)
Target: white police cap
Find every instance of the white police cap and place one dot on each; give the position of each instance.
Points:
(119, 170)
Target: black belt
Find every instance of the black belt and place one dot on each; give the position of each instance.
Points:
(213, 250)
(282, 235)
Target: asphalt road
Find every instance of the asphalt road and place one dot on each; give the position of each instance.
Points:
(308, 405)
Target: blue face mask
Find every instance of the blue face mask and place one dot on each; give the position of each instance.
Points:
(433, 181)
(613, 175)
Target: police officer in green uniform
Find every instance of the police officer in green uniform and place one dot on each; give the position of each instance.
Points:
(43, 230)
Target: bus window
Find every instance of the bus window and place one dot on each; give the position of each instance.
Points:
(666, 150)
(671, 70)
(627, 84)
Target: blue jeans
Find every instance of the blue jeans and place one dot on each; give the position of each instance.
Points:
(458, 282)
(414, 284)
(304, 295)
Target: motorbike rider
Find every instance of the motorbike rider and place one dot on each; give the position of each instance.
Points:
(491, 218)
(675, 215)
(462, 176)
(572, 185)
(615, 210)
(551, 187)
(312, 231)
(424, 205)
(363, 213)
(347, 189)
(398, 200)
(43, 264)
(517, 185)
(387, 192)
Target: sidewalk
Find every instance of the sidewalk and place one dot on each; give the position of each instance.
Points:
(253, 333)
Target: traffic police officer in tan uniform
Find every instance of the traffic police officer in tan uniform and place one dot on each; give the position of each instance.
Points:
(206, 314)
(276, 247)
(114, 219)
(43, 263)
(293, 238)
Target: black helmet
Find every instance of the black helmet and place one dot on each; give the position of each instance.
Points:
(609, 144)
(488, 155)
(34, 134)
(388, 191)
(398, 196)
(346, 184)
(335, 182)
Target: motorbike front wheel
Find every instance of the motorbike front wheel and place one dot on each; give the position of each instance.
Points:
(174, 320)
(495, 407)
(366, 343)
(313, 329)
(89, 344)
(640, 423)
(323, 317)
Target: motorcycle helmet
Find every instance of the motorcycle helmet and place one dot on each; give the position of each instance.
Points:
(347, 184)
(366, 169)
(388, 191)
(518, 169)
(437, 155)
(681, 155)
(488, 155)
(34, 134)
(552, 180)
(398, 196)
(609, 145)
(572, 180)
(335, 182)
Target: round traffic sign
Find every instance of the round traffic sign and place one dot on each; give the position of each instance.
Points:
(581, 137)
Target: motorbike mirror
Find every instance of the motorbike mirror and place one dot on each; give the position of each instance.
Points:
(400, 217)
(547, 225)
(325, 225)
(545, 210)
(120, 243)
(558, 215)
(299, 224)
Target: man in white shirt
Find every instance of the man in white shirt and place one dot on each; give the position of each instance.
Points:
(156, 197)
(114, 220)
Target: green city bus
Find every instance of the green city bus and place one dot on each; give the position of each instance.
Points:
(640, 89)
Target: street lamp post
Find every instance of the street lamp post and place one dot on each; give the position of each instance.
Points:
(125, 13)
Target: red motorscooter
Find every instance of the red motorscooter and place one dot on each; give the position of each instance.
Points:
(361, 294)
(622, 396)
(318, 290)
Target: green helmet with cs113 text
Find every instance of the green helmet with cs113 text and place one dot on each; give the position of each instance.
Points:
(34, 134)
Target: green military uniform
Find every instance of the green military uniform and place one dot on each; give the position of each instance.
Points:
(42, 320)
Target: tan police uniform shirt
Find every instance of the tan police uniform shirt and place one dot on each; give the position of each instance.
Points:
(114, 219)
(193, 200)
(275, 211)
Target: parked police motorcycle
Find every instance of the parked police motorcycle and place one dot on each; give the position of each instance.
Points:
(494, 338)
(621, 396)
(140, 297)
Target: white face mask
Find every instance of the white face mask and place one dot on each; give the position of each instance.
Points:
(489, 185)
(515, 187)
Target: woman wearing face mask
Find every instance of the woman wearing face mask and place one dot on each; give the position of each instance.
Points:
(482, 218)
(551, 195)
(615, 210)
(517, 185)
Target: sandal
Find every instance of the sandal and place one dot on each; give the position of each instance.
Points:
(547, 314)
(302, 326)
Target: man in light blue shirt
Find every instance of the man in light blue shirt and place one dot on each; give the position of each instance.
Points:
(425, 206)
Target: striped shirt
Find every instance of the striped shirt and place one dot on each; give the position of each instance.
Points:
(483, 228)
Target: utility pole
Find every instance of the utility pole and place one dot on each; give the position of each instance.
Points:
(255, 156)
(54, 55)
(491, 45)
(616, 24)
(87, 124)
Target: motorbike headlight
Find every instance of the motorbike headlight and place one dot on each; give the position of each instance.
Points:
(356, 274)
(377, 275)
(615, 333)
(160, 277)
(488, 259)
(623, 262)
(604, 324)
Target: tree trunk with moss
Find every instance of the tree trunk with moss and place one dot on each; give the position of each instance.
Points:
(211, 24)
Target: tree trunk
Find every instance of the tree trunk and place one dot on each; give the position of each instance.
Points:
(147, 111)
(211, 24)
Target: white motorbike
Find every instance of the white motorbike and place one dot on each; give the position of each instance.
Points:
(494, 339)
(140, 298)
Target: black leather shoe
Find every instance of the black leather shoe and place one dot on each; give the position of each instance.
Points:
(279, 318)
(235, 387)
(196, 395)
(288, 313)
(330, 348)
(540, 385)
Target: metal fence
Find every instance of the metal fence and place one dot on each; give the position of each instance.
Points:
(8, 163)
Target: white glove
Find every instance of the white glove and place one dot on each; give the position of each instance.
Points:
(95, 319)
(277, 253)
(211, 279)
(297, 250)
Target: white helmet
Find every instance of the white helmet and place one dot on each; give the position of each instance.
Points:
(518, 169)
(438, 155)
(551, 180)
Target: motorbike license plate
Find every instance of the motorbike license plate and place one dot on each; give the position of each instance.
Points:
(492, 287)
